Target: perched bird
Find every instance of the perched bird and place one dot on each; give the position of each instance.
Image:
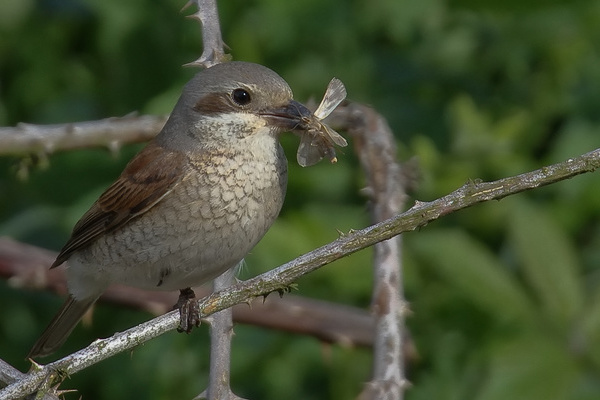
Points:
(192, 203)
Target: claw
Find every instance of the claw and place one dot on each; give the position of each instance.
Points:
(189, 312)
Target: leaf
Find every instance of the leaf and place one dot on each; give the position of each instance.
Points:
(548, 261)
(519, 367)
(467, 264)
(590, 328)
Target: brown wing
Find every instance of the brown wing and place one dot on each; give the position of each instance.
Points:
(149, 177)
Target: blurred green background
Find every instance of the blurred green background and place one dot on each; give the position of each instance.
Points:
(504, 296)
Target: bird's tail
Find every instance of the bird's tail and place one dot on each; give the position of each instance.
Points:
(61, 327)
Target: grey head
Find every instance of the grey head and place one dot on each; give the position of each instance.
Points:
(232, 100)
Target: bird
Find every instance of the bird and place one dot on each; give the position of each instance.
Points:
(192, 203)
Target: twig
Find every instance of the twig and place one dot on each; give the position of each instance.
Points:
(375, 145)
(212, 41)
(109, 132)
(280, 278)
(221, 332)
(8, 374)
(26, 267)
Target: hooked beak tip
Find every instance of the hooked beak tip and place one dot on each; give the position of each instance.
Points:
(292, 116)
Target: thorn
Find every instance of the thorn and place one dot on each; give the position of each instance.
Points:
(405, 310)
(405, 384)
(23, 169)
(49, 148)
(59, 393)
(208, 60)
(195, 63)
(195, 16)
(42, 160)
(367, 192)
(113, 147)
(132, 114)
(281, 291)
(186, 6)
(34, 365)
(419, 203)
(63, 374)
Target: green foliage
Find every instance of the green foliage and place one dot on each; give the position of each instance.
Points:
(505, 296)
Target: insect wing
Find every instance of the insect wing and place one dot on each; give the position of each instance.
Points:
(334, 95)
(309, 152)
(334, 136)
(318, 141)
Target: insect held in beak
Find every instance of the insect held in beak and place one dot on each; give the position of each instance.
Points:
(318, 140)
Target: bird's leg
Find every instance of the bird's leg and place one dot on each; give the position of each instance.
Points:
(189, 313)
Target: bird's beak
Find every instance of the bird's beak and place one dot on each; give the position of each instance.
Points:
(293, 116)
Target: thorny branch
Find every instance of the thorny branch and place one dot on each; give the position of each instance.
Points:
(212, 41)
(25, 267)
(222, 323)
(8, 374)
(30, 139)
(112, 133)
(221, 332)
(376, 148)
(419, 215)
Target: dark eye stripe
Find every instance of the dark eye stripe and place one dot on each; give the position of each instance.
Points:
(213, 103)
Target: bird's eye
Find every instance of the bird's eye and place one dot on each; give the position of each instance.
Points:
(241, 97)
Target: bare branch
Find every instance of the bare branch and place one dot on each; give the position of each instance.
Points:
(375, 145)
(221, 329)
(221, 332)
(8, 375)
(26, 267)
(280, 278)
(109, 132)
(213, 45)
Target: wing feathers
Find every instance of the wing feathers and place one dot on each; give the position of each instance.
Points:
(148, 178)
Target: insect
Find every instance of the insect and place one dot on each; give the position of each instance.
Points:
(318, 140)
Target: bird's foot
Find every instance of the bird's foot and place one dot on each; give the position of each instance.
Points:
(189, 312)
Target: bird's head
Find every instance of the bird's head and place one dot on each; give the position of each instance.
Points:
(234, 102)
